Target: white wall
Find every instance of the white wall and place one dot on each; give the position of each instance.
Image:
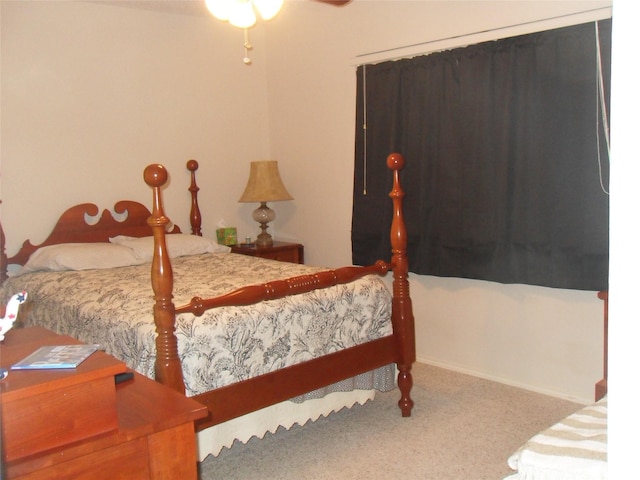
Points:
(92, 93)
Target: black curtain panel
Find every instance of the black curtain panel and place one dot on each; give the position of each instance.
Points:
(506, 149)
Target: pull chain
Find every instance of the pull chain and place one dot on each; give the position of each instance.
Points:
(600, 102)
(247, 47)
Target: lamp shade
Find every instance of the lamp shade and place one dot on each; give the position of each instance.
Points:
(265, 184)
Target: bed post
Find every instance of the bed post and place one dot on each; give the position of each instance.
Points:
(402, 310)
(168, 369)
(194, 214)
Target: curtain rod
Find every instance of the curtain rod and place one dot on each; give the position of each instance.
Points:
(480, 32)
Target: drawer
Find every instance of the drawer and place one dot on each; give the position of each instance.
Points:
(290, 255)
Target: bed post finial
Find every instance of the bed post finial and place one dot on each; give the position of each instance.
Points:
(168, 369)
(402, 309)
(194, 214)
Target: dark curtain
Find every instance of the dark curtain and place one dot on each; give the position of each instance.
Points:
(506, 159)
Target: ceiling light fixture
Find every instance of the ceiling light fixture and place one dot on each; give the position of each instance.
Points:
(242, 14)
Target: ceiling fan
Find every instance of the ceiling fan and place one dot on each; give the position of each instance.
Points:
(242, 14)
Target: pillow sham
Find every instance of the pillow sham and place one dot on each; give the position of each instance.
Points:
(79, 256)
(178, 245)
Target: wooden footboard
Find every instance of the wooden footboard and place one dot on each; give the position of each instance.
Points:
(282, 288)
(298, 379)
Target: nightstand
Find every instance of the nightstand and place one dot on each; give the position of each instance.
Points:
(281, 251)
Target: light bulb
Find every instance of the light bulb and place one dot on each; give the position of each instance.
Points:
(268, 8)
(219, 8)
(241, 14)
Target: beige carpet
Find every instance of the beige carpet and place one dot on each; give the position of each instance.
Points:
(462, 427)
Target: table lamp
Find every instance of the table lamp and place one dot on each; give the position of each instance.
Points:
(264, 185)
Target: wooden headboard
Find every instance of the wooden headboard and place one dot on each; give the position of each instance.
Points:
(79, 224)
(73, 227)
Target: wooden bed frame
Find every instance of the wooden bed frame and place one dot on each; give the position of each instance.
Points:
(250, 395)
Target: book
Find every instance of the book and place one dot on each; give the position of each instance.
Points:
(56, 356)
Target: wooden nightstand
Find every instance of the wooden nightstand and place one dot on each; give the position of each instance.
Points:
(281, 251)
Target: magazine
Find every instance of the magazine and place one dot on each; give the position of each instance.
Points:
(56, 356)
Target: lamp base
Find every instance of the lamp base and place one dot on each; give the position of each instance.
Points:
(263, 215)
(264, 240)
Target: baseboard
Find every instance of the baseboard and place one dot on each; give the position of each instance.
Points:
(485, 376)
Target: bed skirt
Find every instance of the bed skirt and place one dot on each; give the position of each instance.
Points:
(309, 407)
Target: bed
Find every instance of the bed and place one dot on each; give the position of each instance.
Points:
(277, 345)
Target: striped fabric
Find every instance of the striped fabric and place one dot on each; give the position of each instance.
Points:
(573, 449)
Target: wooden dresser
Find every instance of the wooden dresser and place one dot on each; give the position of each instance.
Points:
(78, 424)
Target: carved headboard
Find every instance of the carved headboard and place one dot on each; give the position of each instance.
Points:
(80, 224)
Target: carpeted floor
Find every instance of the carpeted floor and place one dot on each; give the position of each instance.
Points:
(462, 427)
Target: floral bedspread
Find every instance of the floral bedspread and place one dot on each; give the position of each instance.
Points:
(228, 344)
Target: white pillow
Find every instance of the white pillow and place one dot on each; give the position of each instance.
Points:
(79, 256)
(178, 245)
